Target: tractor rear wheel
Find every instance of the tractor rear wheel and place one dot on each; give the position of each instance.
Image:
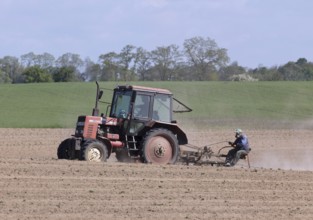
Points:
(93, 150)
(65, 150)
(160, 146)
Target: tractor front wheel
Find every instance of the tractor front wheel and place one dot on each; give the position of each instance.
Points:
(65, 150)
(93, 150)
(160, 146)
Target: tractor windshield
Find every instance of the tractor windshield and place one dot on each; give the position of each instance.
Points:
(121, 104)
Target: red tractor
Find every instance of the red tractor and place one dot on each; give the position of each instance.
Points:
(139, 126)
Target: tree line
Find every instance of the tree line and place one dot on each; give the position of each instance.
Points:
(199, 59)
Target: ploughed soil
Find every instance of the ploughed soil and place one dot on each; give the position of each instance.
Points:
(34, 184)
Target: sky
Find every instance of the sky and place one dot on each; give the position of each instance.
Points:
(254, 32)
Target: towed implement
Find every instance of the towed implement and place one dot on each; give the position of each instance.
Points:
(194, 155)
(138, 126)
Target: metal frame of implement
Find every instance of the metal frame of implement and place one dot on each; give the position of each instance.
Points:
(195, 155)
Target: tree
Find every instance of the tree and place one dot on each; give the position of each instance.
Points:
(93, 70)
(64, 74)
(142, 63)
(11, 67)
(4, 77)
(225, 73)
(35, 74)
(301, 61)
(308, 72)
(44, 60)
(263, 73)
(307, 68)
(28, 59)
(109, 65)
(166, 61)
(74, 62)
(70, 59)
(125, 59)
(205, 57)
(300, 70)
(291, 71)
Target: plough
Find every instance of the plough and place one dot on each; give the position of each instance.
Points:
(191, 154)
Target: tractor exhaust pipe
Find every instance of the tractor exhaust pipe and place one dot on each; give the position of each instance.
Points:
(95, 110)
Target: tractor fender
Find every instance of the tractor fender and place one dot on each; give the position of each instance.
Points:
(107, 143)
(180, 134)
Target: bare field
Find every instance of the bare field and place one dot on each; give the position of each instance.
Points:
(35, 185)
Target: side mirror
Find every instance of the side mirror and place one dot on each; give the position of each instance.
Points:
(100, 94)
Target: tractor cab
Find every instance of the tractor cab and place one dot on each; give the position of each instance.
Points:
(142, 103)
(141, 106)
(139, 125)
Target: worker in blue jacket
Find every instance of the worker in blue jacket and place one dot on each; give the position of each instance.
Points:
(241, 148)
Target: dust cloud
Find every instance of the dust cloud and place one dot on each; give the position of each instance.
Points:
(292, 160)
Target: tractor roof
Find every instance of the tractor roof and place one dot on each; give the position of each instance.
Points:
(143, 88)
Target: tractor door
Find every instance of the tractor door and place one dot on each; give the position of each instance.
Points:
(150, 106)
(142, 112)
(142, 106)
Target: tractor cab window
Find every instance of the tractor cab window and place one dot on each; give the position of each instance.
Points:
(142, 106)
(121, 104)
(162, 108)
